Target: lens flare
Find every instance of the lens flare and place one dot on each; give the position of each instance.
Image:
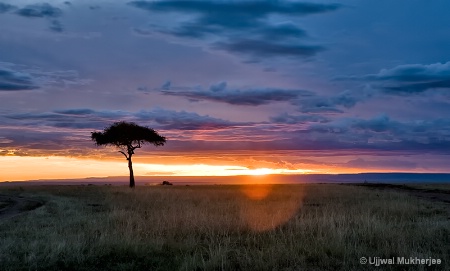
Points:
(267, 206)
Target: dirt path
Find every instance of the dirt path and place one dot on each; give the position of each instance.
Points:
(11, 206)
(429, 194)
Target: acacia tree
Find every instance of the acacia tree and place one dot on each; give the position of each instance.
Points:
(127, 136)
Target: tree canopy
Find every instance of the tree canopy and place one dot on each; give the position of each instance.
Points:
(127, 136)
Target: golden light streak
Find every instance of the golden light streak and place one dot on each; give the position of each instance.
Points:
(20, 168)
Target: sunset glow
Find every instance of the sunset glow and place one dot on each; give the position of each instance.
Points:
(290, 87)
(34, 168)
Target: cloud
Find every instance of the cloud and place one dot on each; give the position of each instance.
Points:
(381, 164)
(182, 120)
(19, 77)
(244, 8)
(14, 80)
(329, 104)
(383, 133)
(317, 104)
(141, 31)
(409, 79)
(282, 31)
(244, 27)
(307, 101)
(189, 131)
(6, 7)
(381, 123)
(56, 26)
(44, 10)
(265, 48)
(166, 85)
(88, 118)
(218, 87)
(67, 131)
(249, 96)
(298, 119)
(4, 140)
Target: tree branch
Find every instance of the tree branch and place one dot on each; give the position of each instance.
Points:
(135, 147)
(124, 154)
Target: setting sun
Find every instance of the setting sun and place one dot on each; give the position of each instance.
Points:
(261, 171)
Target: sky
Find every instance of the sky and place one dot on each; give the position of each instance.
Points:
(237, 87)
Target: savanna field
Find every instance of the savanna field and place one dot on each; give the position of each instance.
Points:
(222, 227)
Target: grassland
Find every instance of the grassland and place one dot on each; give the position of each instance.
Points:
(262, 227)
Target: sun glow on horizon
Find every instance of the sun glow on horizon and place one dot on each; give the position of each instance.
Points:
(261, 171)
(21, 168)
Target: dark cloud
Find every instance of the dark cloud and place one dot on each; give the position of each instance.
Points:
(141, 31)
(19, 77)
(414, 88)
(188, 131)
(251, 96)
(383, 133)
(57, 120)
(6, 7)
(317, 105)
(258, 29)
(329, 104)
(82, 111)
(298, 119)
(414, 73)
(381, 125)
(68, 130)
(266, 48)
(378, 124)
(87, 118)
(166, 85)
(243, 26)
(307, 101)
(14, 81)
(409, 79)
(282, 31)
(182, 120)
(243, 8)
(218, 87)
(56, 26)
(44, 10)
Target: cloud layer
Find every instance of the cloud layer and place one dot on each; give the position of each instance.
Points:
(190, 130)
(15, 77)
(250, 32)
(14, 81)
(409, 79)
(39, 10)
(221, 93)
(69, 68)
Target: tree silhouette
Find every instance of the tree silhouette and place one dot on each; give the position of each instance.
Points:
(127, 136)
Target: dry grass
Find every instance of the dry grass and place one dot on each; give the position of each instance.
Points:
(433, 186)
(263, 227)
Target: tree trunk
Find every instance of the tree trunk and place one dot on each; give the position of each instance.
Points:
(130, 167)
